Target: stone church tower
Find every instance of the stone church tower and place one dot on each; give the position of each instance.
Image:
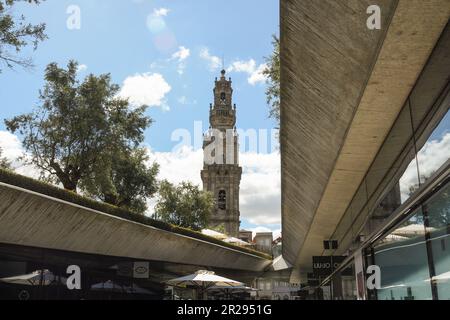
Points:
(221, 174)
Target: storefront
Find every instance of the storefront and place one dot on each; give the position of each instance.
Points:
(40, 274)
(414, 256)
(406, 231)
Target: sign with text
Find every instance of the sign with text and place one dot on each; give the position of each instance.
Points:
(325, 265)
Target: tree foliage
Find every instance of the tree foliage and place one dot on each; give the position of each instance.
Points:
(272, 72)
(219, 228)
(16, 33)
(184, 205)
(127, 180)
(79, 127)
(438, 210)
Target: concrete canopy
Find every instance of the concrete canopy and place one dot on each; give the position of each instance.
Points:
(31, 219)
(342, 87)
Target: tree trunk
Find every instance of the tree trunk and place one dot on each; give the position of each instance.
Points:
(111, 198)
(70, 186)
(68, 183)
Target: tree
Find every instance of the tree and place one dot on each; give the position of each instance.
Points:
(272, 72)
(184, 205)
(129, 181)
(219, 228)
(15, 34)
(438, 210)
(78, 127)
(4, 163)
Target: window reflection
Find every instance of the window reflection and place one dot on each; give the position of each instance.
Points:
(344, 284)
(409, 182)
(436, 150)
(402, 258)
(438, 211)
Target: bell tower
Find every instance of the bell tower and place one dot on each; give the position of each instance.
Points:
(221, 174)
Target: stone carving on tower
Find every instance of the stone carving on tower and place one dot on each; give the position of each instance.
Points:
(221, 174)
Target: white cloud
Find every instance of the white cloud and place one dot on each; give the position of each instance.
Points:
(81, 68)
(431, 157)
(213, 61)
(146, 89)
(257, 76)
(260, 195)
(180, 56)
(184, 164)
(161, 12)
(155, 20)
(11, 145)
(243, 66)
(12, 150)
(254, 72)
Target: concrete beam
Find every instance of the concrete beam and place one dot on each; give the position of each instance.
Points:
(31, 219)
(343, 86)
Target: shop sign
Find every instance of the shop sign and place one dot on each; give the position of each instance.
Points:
(325, 265)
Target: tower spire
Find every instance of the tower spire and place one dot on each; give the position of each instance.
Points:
(223, 67)
(222, 176)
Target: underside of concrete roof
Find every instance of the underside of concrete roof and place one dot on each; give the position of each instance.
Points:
(342, 87)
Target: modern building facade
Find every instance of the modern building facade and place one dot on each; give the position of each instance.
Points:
(221, 174)
(365, 148)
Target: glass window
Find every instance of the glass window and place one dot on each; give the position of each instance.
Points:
(349, 291)
(402, 258)
(343, 283)
(261, 285)
(438, 212)
(436, 150)
(325, 292)
(409, 182)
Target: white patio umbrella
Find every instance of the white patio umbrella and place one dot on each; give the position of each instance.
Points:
(214, 234)
(202, 280)
(137, 290)
(229, 291)
(39, 277)
(236, 241)
(108, 286)
(236, 289)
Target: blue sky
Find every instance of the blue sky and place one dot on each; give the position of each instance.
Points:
(171, 51)
(114, 37)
